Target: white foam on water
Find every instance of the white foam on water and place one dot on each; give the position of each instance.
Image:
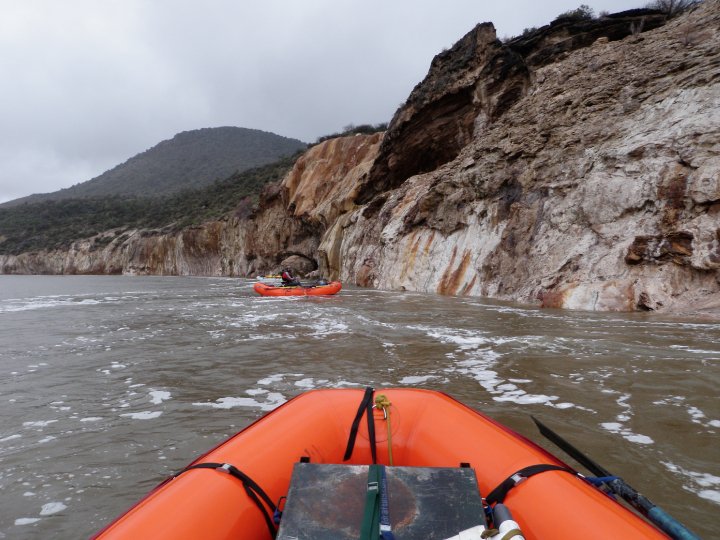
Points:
(39, 423)
(464, 340)
(254, 317)
(483, 358)
(503, 391)
(267, 336)
(625, 416)
(256, 391)
(564, 405)
(273, 400)
(230, 402)
(47, 439)
(52, 508)
(522, 398)
(158, 396)
(685, 348)
(143, 415)
(640, 439)
(309, 382)
(347, 384)
(697, 416)
(26, 521)
(418, 379)
(699, 482)
(625, 433)
(327, 327)
(42, 302)
(278, 377)
(710, 494)
(373, 322)
(63, 408)
(91, 419)
(10, 437)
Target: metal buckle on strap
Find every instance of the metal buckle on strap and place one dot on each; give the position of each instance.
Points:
(518, 479)
(372, 486)
(225, 467)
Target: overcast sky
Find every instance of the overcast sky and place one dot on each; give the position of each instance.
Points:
(87, 84)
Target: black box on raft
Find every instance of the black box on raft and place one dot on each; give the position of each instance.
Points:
(328, 502)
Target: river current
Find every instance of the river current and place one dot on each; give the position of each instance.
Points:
(110, 384)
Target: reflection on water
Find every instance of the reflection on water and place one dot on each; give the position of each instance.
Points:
(109, 384)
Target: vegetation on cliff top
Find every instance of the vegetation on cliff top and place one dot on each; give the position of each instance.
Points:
(352, 129)
(55, 224)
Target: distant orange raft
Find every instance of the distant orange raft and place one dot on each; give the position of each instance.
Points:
(316, 290)
(211, 499)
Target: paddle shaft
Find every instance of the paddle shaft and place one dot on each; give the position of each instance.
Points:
(654, 513)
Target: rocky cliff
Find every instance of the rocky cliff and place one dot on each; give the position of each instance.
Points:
(591, 179)
(575, 167)
(286, 229)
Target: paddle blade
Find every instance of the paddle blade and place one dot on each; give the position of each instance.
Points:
(570, 450)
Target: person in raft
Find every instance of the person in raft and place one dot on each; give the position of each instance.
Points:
(288, 280)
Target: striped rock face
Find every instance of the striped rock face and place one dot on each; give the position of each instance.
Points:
(597, 189)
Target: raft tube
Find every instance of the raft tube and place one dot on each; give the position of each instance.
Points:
(428, 429)
(317, 290)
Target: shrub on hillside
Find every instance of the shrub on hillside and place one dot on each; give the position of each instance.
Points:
(351, 129)
(583, 13)
(673, 7)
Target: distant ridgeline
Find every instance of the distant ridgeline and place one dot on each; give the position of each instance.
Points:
(190, 160)
(196, 175)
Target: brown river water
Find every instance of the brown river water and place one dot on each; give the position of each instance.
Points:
(110, 384)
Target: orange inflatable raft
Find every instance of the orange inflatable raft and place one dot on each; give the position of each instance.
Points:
(413, 427)
(266, 289)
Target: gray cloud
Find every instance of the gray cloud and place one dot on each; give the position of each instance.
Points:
(87, 84)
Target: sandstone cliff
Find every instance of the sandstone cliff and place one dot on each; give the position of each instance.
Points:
(577, 167)
(591, 181)
(286, 229)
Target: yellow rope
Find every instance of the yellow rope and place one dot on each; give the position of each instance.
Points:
(382, 402)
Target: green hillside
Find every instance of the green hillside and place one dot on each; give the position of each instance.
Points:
(54, 224)
(190, 160)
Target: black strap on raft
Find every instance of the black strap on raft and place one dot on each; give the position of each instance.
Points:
(366, 407)
(498, 494)
(254, 491)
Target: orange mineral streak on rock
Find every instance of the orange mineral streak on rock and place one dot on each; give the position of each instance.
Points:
(409, 259)
(452, 279)
(467, 289)
(429, 243)
(553, 299)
